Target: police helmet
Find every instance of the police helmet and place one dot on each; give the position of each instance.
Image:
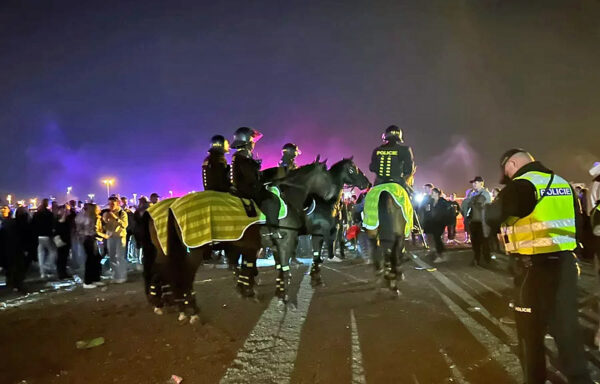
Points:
(244, 136)
(219, 143)
(291, 149)
(392, 133)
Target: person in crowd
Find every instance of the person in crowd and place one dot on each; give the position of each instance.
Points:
(8, 243)
(595, 188)
(144, 242)
(62, 241)
(89, 229)
(472, 209)
(77, 252)
(154, 198)
(540, 230)
(26, 249)
(43, 226)
(115, 223)
(456, 211)
(437, 215)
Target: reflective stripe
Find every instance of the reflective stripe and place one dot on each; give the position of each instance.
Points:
(533, 227)
(541, 242)
(285, 268)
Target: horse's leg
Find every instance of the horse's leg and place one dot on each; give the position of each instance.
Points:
(245, 282)
(315, 268)
(340, 240)
(387, 239)
(287, 247)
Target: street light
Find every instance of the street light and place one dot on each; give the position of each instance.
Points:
(33, 202)
(135, 199)
(91, 196)
(108, 183)
(171, 193)
(69, 189)
(9, 199)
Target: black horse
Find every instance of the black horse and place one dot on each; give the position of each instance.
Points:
(294, 189)
(322, 224)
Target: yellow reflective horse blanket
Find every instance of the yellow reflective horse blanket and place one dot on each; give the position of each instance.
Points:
(209, 216)
(401, 198)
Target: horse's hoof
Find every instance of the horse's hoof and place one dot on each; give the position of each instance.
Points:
(158, 311)
(194, 319)
(182, 316)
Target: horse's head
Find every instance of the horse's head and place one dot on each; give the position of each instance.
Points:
(315, 179)
(346, 172)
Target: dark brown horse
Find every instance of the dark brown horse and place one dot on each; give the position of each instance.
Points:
(321, 224)
(183, 262)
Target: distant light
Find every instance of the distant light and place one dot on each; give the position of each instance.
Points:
(419, 197)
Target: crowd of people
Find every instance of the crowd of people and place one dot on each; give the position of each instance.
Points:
(64, 239)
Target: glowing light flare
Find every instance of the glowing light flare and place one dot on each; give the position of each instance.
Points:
(419, 197)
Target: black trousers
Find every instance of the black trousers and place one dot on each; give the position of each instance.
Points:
(61, 260)
(16, 270)
(451, 232)
(480, 243)
(148, 262)
(546, 301)
(93, 268)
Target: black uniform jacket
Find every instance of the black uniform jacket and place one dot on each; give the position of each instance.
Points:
(215, 172)
(246, 175)
(392, 162)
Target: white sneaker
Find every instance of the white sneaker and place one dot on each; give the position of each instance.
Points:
(439, 259)
(119, 281)
(336, 259)
(89, 286)
(99, 284)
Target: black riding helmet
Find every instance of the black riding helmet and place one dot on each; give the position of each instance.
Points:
(219, 143)
(244, 136)
(392, 133)
(291, 149)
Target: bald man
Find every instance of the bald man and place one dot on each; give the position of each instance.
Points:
(537, 216)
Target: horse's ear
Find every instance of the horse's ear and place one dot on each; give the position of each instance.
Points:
(318, 158)
(324, 162)
(351, 158)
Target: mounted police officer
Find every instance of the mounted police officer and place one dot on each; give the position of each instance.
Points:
(216, 175)
(537, 212)
(246, 177)
(393, 162)
(289, 152)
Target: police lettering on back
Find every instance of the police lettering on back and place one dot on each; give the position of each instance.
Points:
(555, 192)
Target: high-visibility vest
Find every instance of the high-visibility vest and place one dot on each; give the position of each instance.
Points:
(551, 225)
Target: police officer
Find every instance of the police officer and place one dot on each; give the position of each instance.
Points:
(537, 212)
(393, 162)
(289, 152)
(215, 170)
(247, 178)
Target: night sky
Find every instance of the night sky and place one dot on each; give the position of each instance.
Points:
(135, 89)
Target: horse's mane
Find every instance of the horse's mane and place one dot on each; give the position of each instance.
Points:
(337, 167)
(302, 171)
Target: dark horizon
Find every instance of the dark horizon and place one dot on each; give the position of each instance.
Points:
(135, 92)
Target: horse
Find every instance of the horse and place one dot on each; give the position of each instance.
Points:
(322, 224)
(388, 219)
(293, 189)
